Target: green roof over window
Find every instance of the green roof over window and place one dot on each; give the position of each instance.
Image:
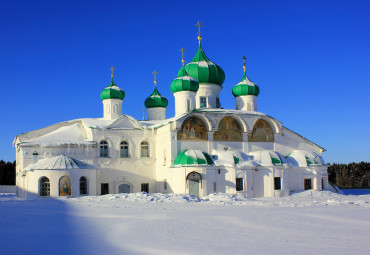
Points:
(156, 100)
(245, 88)
(204, 70)
(275, 158)
(184, 82)
(112, 92)
(193, 158)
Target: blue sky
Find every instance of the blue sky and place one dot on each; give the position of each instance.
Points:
(310, 59)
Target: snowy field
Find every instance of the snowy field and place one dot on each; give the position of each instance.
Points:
(305, 223)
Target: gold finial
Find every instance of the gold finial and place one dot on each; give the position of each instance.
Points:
(112, 69)
(182, 56)
(155, 78)
(244, 58)
(199, 26)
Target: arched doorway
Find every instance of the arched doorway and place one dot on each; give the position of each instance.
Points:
(124, 188)
(194, 181)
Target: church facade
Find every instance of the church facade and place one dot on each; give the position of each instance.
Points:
(203, 149)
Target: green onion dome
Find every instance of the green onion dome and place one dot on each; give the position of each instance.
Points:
(184, 82)
(193, 158)
(156, 100)
(112, 92)
(245, 88)
(204, 70)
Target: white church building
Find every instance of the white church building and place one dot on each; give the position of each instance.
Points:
(203, 149)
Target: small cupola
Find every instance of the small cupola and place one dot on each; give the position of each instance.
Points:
(184, 88)
(112, 97)
(156, 104)
(245, 93)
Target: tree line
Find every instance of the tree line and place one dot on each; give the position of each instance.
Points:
(7, 173)
(352, 175)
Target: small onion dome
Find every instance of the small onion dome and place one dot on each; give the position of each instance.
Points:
(204, 70)
(184, 82)
(193, 158)
(156, 100)
(245, 88)
(112, 92)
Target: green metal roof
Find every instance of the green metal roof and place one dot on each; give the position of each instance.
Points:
(275, 158)
(184, 82)
(204, 70)
(245, 87)
(156, 100)
(193, 158)
(112, 92)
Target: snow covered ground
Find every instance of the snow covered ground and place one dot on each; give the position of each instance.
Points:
(310, 222)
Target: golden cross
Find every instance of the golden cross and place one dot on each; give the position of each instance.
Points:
(182, 56)
(112, 71)
(244, 58)
(155, 78)
(199, 25)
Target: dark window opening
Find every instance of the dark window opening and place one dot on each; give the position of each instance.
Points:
(203, 102)
(239, 184)
(44, 187)
(277, 183)
(83, 186)
(104, 188)
(307, 184)
(145, 187)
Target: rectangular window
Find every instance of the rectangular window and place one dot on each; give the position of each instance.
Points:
(307, 184)
(239, 184)
(203, 102)
(145, 187)
(277, 183)
(165, 184)
(322, 184)
(104, 188)
(218, 104)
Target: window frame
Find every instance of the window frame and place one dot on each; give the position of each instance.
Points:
(83, 190)
(144, 144)
(104, 149)
(124, 152)
(44, 188)
(203, 104)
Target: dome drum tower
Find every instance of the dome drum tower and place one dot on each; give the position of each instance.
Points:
(112, 97)
(156, 104)
(245, 93)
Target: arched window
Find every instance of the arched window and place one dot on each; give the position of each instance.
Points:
(103, 149)
(65, 186)
(123, 153)
(144, 149)
(194, 180)
(193, 129)
(44, 187)
(83, 186)
(228, 130)
(262, 132)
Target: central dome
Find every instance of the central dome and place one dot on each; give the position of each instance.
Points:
(204, 70)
